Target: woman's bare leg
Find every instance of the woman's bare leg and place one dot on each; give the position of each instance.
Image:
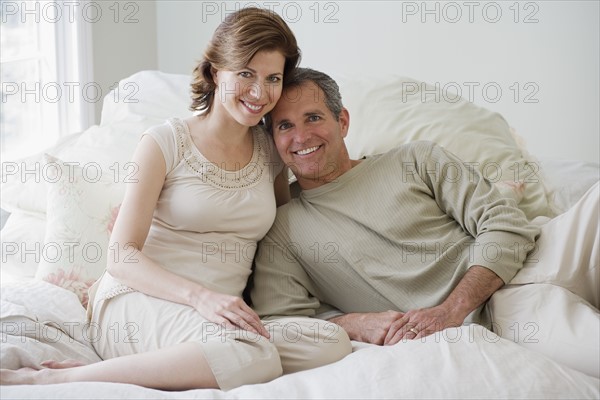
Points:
(179, 367)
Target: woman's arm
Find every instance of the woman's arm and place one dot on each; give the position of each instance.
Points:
(134, 269)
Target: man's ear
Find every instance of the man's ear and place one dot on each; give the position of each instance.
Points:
(344, 121)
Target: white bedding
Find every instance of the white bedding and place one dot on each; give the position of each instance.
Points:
(41, 321)
(466, 362)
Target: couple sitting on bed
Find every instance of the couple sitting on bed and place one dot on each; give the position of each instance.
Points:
(381, 250)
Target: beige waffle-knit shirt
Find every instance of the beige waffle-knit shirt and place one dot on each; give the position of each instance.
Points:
(396, 232)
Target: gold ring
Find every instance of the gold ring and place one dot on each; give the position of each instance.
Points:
(413, 330)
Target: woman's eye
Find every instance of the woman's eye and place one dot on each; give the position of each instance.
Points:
(245, 74)
(274, 79)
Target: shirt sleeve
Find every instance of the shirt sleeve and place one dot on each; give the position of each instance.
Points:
(503, 235)
(281, 286)
(164, 136)
(327, 311)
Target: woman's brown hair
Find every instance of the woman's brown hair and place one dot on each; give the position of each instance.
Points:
(235, 41)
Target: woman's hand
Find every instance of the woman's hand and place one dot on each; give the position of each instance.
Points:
(229, 311)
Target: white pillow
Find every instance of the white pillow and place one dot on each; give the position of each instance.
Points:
(386, 112)
(549, 319)
(22, 184)
(22, 242)
(567, 181)
(140, 101)
(150, 95)
(82, 208)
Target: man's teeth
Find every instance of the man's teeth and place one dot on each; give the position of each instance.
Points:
(252, 107)
(307, 151)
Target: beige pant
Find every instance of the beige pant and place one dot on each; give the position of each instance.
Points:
(133, 322)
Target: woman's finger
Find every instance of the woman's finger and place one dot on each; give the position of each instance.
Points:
(245, 321)
(253, 319)
(69, 363)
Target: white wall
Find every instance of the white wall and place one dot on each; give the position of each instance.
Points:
(123, 41)
(552, 62)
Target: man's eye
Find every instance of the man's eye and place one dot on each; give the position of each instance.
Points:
(285, 126)
(314, 118)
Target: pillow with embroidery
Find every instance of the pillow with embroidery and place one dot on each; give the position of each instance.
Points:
(82, 204)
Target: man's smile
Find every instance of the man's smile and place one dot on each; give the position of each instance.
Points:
(307, 151)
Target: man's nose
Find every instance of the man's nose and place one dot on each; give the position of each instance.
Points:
(302, 134)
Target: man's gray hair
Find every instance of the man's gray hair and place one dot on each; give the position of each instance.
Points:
(333, 99)
(299, 76)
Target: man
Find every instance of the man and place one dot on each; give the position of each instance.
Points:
(393, 246)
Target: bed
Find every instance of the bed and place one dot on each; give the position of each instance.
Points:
(62, 205)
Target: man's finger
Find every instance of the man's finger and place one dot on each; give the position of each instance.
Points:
(392, 332)
(394, 328)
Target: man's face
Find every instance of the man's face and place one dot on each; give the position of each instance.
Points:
(308, 137)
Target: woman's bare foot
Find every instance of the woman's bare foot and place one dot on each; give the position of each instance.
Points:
(23, 376)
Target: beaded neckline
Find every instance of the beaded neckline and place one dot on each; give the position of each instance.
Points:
(210, 172)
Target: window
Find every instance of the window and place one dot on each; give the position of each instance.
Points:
(42, 64)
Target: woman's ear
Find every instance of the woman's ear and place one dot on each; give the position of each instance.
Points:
(213, 72)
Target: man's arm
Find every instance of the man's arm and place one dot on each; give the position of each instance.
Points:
(389, 327)
(476, 286)
(281, 286)
(483, 213)
(503, 235)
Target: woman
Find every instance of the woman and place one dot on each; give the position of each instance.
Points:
(168, 310)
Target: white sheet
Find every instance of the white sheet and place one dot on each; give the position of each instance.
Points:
(466, 362)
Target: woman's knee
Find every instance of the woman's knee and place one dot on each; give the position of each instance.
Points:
(245, 361)
(268, 363)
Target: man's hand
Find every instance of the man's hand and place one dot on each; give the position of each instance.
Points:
(416, 324)
(368, 327)
(475, 287)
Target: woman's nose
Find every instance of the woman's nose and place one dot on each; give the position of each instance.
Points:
(256, 91)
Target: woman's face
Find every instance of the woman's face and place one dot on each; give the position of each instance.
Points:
(251, 92)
